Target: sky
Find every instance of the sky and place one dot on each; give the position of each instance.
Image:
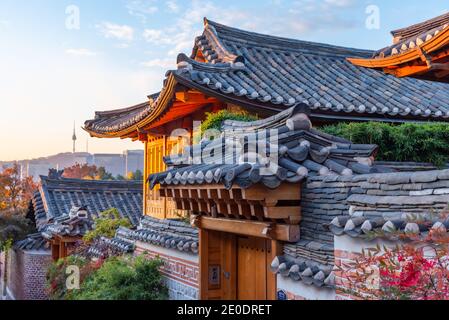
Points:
(62, 60)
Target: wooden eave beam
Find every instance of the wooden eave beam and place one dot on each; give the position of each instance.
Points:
(273, 231)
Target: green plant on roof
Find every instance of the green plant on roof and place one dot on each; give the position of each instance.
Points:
(215, 120)
(106, 225)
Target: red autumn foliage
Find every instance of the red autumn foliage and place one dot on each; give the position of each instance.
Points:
(80, 171)
(15, 193)
(414, 270)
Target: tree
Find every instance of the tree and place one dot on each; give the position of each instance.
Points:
(15, 193)
(136, 176)
(80, 171)
(120, 178)
(87, 172)
(102, 174)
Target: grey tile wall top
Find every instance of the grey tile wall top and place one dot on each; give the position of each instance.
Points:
(295, 151)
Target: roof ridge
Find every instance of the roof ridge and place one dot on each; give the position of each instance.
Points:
(276, 40)
(416, 28)
(126, 109)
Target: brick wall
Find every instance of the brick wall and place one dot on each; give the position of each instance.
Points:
(27, 274)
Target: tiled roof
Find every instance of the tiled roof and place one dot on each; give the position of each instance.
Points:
(119, 245)
(307, 271)
(284, 72)
(76, 224)
(32, 242)
(116, 120)
(172, 234)
(57, 196)
(300, 152)
(274, 73)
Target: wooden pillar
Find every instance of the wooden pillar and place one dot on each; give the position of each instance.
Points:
(55, 250)
(275, 251)
(145, 177)
(62, 250)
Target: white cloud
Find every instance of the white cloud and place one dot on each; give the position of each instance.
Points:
(142, 8)
(116, 31)
(168, 63)
(172, 6)
(340, 3)
(80, 52)
(154, 36)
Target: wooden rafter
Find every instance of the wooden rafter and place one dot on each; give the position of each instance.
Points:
(256, 203)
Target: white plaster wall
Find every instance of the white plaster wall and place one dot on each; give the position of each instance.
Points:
(308, 292)
(194, 258)
(356, 245)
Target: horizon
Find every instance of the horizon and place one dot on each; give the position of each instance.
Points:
(69, 153)
(115, 59)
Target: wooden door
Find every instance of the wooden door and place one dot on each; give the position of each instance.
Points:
(252, 275)
(233, 267)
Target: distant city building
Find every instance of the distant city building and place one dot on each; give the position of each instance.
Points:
(116, 164)
(133, 160)
(113, 163)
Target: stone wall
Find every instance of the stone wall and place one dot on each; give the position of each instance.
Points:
(27, 274)
(323, 198)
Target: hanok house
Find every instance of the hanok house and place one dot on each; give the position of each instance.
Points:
(251, 224)
(63, 211)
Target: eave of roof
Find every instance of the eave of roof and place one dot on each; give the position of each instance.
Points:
(421, 27)
(441, 40)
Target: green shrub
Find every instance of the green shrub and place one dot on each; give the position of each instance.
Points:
(215, 120)
(124, 278)
(428, 142)
(117, 278)
(56, 276)
(106, 225)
